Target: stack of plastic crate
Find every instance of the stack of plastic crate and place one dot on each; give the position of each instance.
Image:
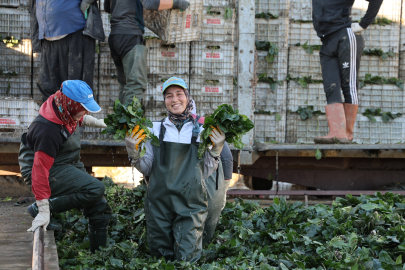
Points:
(389, 98)
(15, 53)
(212, 57)
(271, 25)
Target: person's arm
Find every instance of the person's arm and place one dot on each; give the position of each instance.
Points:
(227, 162)
(165, 4)
(40, 175)
(372, 10)
(144, 164)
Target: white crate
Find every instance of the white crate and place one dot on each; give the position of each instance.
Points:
(269, 100)
(106, 66)
(270, 128)
(281, 186)
(376, 66)
(215, 27)
(156, 112)
(212, 58)
(23, 110)
(209, 92)
(108, 92)
(390, 9)
(365, 131)
(276, 69)
(274, 31)
(168, 58)
(298, 96)
(155, 86)
(106, 17)
(17, 58)
(15, 22)
(15, 86)
(389, 98)
(275, 7)
(303, 32)
(402, 66)
(219, 3)
(302, 64)
(13, 3)
(301, 10)
(382, 37)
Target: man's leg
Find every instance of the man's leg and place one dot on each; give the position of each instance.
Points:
(135, 68)
(331, 83)
(349, 55)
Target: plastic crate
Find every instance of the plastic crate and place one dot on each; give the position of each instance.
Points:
(303, 32)
(106, 17)
(313, 95)
(106, 66)
(382, 37)
(389, 98)
(365, 131)
(13, 3)
(108, 92)
(212, 58)
(275, 7)
(219, 3)
(15, 22)
(17, 58)
(22, 110)
(375, 65)
(15, 86)
(209, 92)
(269, 100)
(303, 64)
(301, 10)
(274, 31)
(270, 128)
(155, 86)
(390, 9)
(276, 69)
(402, 66)
(215, 27)
(168, 58)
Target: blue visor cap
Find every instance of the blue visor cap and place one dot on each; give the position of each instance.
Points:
(174, 81)
(80, 91)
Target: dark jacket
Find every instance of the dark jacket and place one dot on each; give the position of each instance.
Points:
(330, 16)
(94, 25)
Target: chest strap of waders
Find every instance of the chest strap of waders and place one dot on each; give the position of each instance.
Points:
(65, 133)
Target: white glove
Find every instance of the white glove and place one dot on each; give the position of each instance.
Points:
(43, 217)
(357, 29)
(133, 141)
(91, 121)
(218, 140)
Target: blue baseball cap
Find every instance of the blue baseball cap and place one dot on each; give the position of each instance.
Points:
(80, 91)
(174, 81)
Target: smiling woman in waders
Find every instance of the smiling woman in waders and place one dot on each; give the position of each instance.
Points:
(177, 197)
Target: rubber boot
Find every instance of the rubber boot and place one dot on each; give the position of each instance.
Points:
(136, 74)
(97, 239)
(350, 113)
(53, 225)
(335, 115)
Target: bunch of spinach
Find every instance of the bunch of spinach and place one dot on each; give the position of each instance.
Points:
(234, 125)
(309, 48)
(386, 116)
(271, 48)
(365, 232)
(266, 15)
(308, 112)
(303, 81)
(273, 83)
(378, 52)
(125, 118)
(369, 79)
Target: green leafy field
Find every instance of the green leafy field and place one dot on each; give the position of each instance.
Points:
(366, 232)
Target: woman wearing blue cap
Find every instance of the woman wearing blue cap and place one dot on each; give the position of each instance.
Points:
(177, 198)
(50, 162)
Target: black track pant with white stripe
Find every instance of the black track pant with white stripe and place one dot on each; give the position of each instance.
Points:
(340, 61)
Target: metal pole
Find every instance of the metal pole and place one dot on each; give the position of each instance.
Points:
(276, 171)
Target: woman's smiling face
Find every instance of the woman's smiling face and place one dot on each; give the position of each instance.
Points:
(175, 99)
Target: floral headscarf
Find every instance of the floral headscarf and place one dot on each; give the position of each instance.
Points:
(67, 108)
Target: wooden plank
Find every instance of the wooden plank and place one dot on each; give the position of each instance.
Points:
(38, 250)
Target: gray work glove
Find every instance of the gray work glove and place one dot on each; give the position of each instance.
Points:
(43, 217)
(180, 4)
(133, 141)
(218, 140)
(91, 121)
(357, 29)
(84, 6)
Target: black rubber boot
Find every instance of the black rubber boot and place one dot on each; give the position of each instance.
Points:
(53, 225)
(97, 239)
